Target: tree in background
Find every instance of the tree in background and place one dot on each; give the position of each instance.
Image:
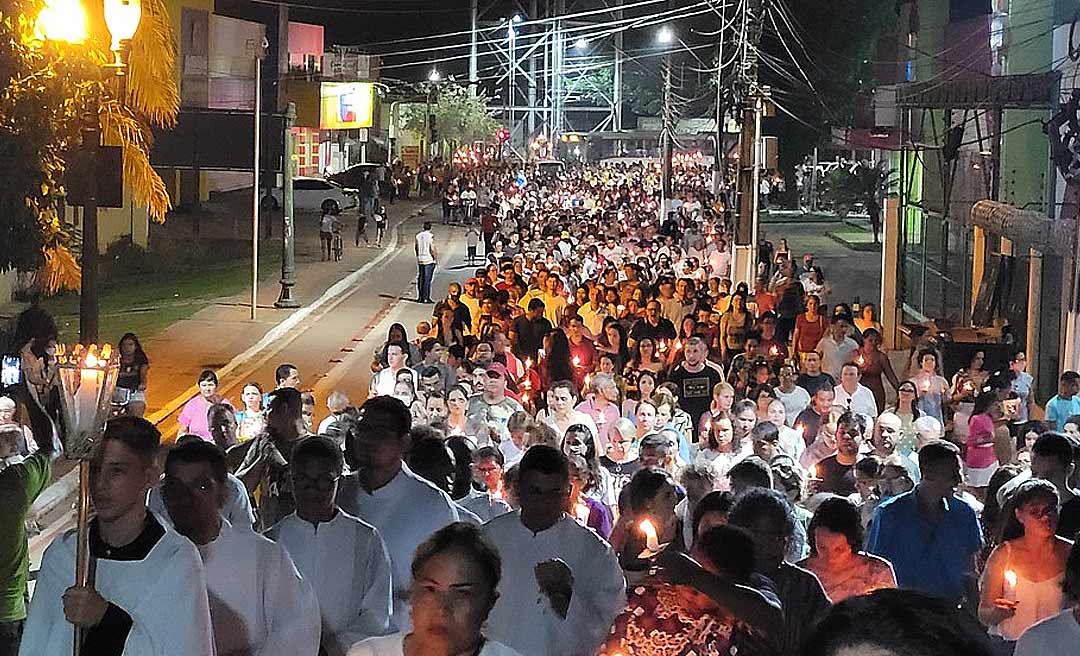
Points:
(48, 92)
(460, 117)
(863, 184)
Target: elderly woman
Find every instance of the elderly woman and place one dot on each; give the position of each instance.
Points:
(455, 575)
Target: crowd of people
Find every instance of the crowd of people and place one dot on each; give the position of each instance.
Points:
(598, 444)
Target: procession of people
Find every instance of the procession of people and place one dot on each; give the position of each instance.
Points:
(599, 442)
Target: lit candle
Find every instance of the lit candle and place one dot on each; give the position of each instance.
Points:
(800, 429)
(581, 512)
(860, 360)
(528, 363)
(577, 361)
(678, 345)
(588, 379)
(1010, 585)
(621, 308)
(774, 351)
(652, 542)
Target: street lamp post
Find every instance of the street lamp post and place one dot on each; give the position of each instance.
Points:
(66, 21)
(288, 237)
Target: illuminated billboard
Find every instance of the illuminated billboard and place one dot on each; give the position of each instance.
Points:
(346, 105)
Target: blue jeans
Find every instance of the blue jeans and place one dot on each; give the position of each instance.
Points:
(423, 282)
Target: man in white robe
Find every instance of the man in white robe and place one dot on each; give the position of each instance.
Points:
(562, 585)
(237, 509)
(344, 558)
(385, 493)
(149, 594)
(259, 603)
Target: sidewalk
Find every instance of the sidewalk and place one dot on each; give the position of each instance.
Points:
(221, 336)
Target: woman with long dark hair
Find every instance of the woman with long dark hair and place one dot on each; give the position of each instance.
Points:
(556, 365)
(613, 340)
(1021, 584)
(132, 380)
(645, 357)
(735, 325)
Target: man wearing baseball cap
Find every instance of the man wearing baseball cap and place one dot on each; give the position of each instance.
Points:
(493, 406)
(385, 493)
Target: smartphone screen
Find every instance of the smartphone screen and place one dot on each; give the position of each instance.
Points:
(11, 371)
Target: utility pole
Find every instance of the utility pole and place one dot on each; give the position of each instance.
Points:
(666, 141)
(259, 52)
(720, 156)
(617, 79)
(753, 101)
(288, 237)
(474, 54)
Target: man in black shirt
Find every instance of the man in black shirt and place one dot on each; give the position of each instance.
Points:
(527, 332)
(837, 472)
(1052, 460)
(813, 378)
(653, 326)
(696, 378)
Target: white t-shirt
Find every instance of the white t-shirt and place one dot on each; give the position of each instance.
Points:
(424, 241)
(1055, 636)
(794, 402)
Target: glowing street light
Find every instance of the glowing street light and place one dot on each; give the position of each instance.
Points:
(581, 43)
(665, 35)
(122, 17)
(62, 20)
(434, 75)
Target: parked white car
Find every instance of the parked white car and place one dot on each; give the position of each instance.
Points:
(309, 194)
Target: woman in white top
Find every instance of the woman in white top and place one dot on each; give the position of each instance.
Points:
(1057, 635)
(1021, 584)
(719, 448)
(455, 575)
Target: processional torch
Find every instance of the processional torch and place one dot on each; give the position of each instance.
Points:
(87, 377)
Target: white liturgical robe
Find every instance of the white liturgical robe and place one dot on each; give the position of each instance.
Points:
(346, 561)
(523, 618)
(406, 511)
(164, 594)
(259, 603)
(237, 508)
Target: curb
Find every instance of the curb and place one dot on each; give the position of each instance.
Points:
(67, 485)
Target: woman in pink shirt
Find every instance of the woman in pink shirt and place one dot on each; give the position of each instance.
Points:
(193, 418)
(980, 461)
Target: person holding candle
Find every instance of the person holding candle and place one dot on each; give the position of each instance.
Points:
(646, 385)
(562, 585)
(602, 404)
(1021, 583)
(1057, 635)
(932, 387)
(873, 364)
(586, 509)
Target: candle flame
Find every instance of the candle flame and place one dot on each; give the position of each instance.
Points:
(649, 530)
(774, 350)
(577, 361)
(528, 363)
(91, 361)
(1010, 578)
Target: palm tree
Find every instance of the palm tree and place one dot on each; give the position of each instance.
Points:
(48, 90)
(862, 184)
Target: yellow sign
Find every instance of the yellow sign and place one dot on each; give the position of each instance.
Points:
(346, 105)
